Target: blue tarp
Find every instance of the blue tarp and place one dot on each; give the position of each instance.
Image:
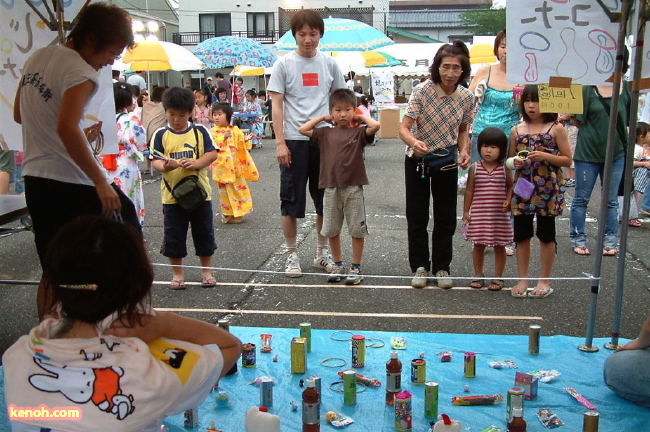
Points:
(579, 370)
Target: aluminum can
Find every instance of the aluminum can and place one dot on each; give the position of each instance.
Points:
(305, 332)
(403, 411)
(431, 389)
(191, 418)
(515, 399)
(590, 421)
(224, 324)
(470, 365)
(418, 371)
(248, 355)
(266, 392)
(534, 332)
(358, 351)
(349, 387)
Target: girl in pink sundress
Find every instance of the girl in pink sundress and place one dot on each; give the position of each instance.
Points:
(486, 208)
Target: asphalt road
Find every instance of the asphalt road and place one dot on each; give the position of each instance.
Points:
(250, 296)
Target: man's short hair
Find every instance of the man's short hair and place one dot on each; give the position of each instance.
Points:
(343, 95)
(309, 17)
(219, 75)
(178, 98)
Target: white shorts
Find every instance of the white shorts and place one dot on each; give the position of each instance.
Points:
(344, 202)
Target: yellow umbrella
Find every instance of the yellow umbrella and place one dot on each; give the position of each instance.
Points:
(160, 56)
(481, 53)
(356, 59)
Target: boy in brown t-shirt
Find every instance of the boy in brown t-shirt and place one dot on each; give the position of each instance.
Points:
(342, 175)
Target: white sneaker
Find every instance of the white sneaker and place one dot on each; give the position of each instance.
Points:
(324, 261)
(337, 274)
(420, 278)
(292, 268)
(444, 281)
(354, 277)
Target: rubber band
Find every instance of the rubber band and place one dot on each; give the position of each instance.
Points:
(335, 383)
(342, 340)
(375, 343)
(329, 359)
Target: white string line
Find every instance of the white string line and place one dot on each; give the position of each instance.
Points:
(348, 314)
(586, 276)
(338, 286)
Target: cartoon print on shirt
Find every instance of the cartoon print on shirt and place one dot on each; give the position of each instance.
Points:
(176, 356)
(101, 386)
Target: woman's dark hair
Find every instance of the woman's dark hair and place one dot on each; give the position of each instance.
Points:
(364, 101)
(123, 95)
(494, 137)
(343, 95)
(101, 25)
(141, 99)
(239, 79)
(456, 49)
(642, 129)
(96, 266)
(221, 90)
(157, 92)
(178, 98)
(309, 17)
(224, 108)
(497, 42)
(531, 94)
(252, 92)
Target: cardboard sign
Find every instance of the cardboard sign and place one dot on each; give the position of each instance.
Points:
(560, 100)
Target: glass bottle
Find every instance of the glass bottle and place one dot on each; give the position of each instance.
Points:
(310, 408)
(517, 424)
(393, 377)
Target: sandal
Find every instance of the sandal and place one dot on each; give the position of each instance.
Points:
(519, 294)
(225, 219)
(177, 284)
(634, 223)
(609, 251)
(477, 283)
(496, 285)
(540, 293)
(581, 250)
(208, 282)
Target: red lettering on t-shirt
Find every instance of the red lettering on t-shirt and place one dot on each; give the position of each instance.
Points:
(310, 80)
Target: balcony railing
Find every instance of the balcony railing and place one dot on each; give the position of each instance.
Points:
(194, 38)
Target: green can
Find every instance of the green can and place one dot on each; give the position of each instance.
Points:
(349, 387)
(305, 332)
(431, 399)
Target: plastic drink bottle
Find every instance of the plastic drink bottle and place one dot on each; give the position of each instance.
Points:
(393, 377)
(310, 408)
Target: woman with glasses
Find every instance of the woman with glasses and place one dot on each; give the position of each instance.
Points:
(63, 179)
(439, 113)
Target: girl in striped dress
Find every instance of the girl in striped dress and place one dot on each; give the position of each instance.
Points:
(486, 208)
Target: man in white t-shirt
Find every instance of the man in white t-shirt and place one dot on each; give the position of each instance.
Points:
(137, 79)
(301, 84)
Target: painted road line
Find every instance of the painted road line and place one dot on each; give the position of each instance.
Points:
(349, 314)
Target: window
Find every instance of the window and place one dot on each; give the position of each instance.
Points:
(212, 25)
(260, 24)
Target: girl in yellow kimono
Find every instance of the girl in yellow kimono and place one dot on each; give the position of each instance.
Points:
(233, 166)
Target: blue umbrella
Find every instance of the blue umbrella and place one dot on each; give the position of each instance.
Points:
(342, 35)
(230, 51)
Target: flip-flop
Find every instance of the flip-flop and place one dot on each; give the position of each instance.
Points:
(581, 250)
(609, 251)
(634, 223)
(177, 284)
(477, 283)
(519, 294)
(208, 282)
(496, 285)
(545, 293)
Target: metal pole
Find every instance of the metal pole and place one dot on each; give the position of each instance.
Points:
(629, 161)
(60, 21)
(607, 180)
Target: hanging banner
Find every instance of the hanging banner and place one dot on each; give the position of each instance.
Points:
(21, 33)
(383, 86)
(574, 39)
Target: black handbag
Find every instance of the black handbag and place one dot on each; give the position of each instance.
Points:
(439, 160)
(188, 192)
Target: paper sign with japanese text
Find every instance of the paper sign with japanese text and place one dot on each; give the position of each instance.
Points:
(560, 100)
(22, 32)
(383, 86)
(574, 39)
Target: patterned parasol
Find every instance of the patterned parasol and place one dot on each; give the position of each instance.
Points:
(342, 34)
(230, 51)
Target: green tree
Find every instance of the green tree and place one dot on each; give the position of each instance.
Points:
(486, 22)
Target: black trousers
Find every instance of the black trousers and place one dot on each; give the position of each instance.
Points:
(442, 187)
